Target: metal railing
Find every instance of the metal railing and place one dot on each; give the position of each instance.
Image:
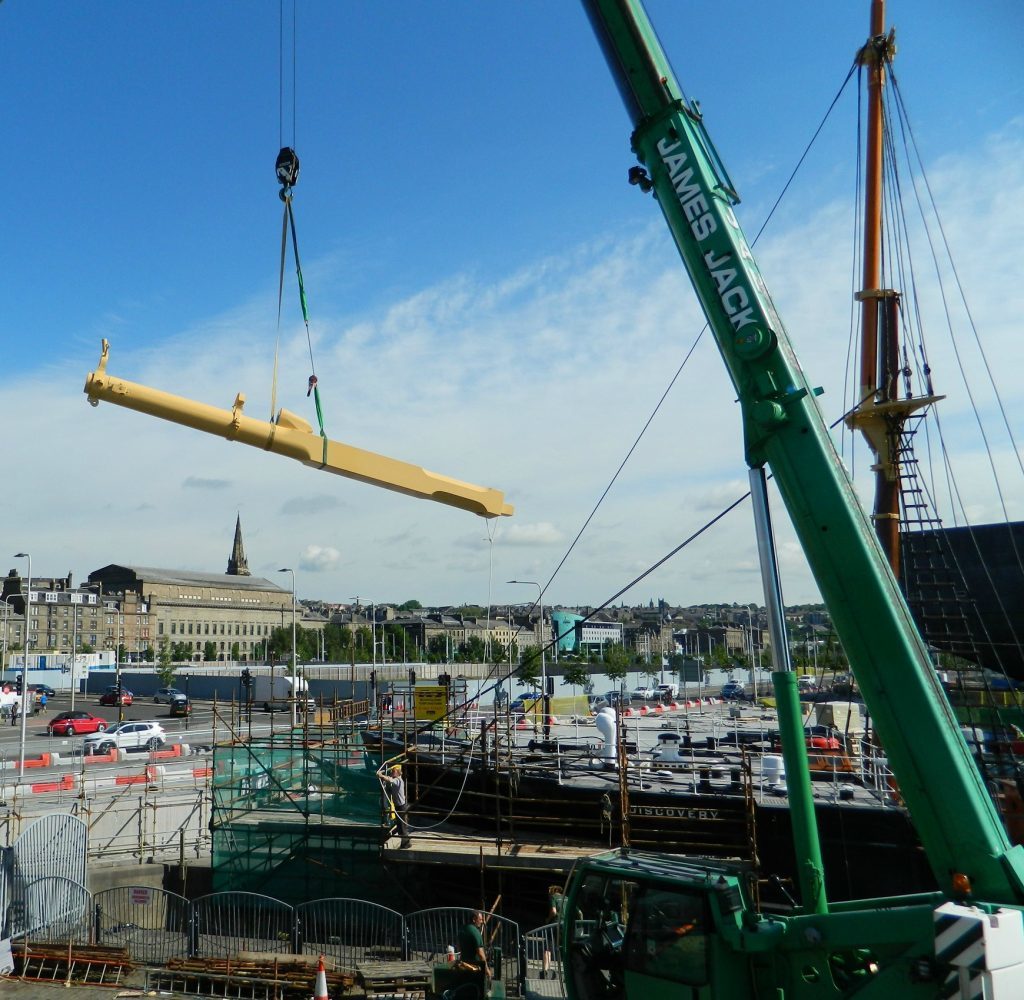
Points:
(155, 925)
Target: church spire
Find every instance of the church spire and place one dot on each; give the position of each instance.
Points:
(237, 565)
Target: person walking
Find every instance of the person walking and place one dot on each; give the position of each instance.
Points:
(400, 801)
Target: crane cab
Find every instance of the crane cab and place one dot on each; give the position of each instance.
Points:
(653, 926)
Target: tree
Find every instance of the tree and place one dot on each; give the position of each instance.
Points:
(616, 660)
(437, 649)
(529, 669)
(576, 674)
(165, 668)
(472, 650)
(410, 606)
(236, 652)
(209, 650)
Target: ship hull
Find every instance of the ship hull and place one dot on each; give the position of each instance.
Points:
(965, 588)
(726, 818)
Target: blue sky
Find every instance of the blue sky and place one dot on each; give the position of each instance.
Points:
(489, 298)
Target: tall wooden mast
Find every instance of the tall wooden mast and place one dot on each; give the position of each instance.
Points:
(880, 415)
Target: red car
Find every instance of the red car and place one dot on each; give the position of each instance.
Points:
(112, 697)
(75, 723)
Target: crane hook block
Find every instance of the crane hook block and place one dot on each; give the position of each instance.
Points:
(287, 167)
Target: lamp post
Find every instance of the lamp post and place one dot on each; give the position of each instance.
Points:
(291, 694)
(7, 615)
(545, 701)
(24, 662)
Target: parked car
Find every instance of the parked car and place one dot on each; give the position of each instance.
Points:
(524, 704)
(644, 693)
(42, 689)
(170, 695)
(733, 690)
(116, 696)
(180, 708)
(75, 723)
(668, 691)
(127, 736)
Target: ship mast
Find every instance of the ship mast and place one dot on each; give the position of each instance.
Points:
(880, 415)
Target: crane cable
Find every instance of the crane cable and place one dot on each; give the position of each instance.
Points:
(286, 167)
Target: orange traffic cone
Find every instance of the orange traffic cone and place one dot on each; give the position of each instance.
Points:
(320, 990)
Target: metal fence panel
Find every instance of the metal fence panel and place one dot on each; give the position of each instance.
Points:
(153, 924)
(229, 922)
(430, 933)
(52, 845)
(53, 910)
(350, 930)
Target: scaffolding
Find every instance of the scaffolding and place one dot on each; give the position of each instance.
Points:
(296, 809)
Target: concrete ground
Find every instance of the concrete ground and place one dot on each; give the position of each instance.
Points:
(28, 989)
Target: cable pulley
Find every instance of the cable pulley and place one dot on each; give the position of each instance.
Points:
(287, 169)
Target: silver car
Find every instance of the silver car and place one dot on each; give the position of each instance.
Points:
(168, 695)
(127, 736)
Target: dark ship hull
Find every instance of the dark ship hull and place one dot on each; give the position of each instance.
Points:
(721, 814)
(965, 588)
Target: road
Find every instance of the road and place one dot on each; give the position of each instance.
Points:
(199, 730)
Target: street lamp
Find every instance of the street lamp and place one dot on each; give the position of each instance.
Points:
(291, 695)
(543, 667)
(7, 615)
(24, 662)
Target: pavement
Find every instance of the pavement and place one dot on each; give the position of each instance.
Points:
(28, 989)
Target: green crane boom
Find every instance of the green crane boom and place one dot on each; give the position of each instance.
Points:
(661, 927)
(784, 429)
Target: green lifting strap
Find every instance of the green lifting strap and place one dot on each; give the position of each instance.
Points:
(305, 318)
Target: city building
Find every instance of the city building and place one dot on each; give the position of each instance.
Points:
(234, 611)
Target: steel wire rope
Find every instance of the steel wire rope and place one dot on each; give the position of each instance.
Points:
(956, 274)
(953, 341)
(693, 346)
(907, 132)
(511, 672)
(850, 375)
(900, 260)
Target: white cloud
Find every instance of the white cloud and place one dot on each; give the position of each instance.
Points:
(542, 533)
(536, 383)
(319, 559)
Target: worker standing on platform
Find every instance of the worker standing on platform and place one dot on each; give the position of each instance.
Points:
(400, 801)
(471, 946)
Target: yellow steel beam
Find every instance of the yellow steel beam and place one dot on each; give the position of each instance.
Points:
(292, 436)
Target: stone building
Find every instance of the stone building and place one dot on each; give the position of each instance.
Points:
(234, 610)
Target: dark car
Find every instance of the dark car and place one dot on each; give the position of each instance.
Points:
(180, 707)
(75, 723)
(42, 689)
(116, 696)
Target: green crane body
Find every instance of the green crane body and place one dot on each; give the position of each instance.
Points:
(868, 947)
